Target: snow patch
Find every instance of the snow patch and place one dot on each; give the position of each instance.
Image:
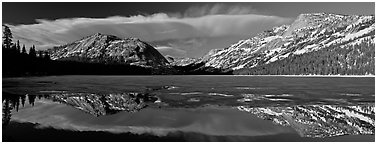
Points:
(358, 34)
(305, 49)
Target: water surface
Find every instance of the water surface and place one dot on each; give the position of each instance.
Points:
(193, 108)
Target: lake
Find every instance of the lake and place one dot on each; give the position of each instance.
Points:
(188, 108)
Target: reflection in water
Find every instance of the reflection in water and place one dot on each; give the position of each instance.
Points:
(311, 107)
(12, 102)
(320, 120)
(105, 104)
(159, 122)
(308, 120)
(6, 113)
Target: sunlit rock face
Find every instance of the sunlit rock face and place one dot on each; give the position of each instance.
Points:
(101, 48)
(320, 120)
(308, 33)
(97, 104)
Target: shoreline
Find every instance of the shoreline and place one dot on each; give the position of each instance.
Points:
(279, 75)
(311, 75)
(371, 76)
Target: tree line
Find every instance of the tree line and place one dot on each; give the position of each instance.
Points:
(351, 59)
(16, 60)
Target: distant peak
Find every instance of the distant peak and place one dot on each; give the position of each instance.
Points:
(104, 35)
(101, 34)
(322, 14)
(112, 36)
(316, 14)
(133, 39)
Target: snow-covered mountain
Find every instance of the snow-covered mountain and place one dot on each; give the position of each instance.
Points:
(316, 43)
(308, 33)
(182, 61)
(110, 49)
(320, 120)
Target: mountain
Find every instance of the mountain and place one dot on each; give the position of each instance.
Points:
(314, 44)
(320, 120)
(101, 48)
(105, 104)
(317, 43)
(179, 61)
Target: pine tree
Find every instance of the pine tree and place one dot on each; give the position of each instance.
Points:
(23, 50)
(18, 46)
(7, 112)
(7, 37)
(32, 51)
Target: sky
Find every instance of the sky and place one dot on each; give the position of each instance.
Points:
(178, 29)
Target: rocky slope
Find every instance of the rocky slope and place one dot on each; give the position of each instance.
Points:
(98, 104)
(182, 61)
(320, 120)
(309, 33)
(101, 48)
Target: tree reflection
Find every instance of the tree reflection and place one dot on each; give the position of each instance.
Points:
(23, 99)
(12, 102)
(31, 99)
(6, 112)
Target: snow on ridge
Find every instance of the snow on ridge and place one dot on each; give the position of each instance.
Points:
(321, 31)
(239, 66)
(358, 116)
(359, 33)
(305, 49)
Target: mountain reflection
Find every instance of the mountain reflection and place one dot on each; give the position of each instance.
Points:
(104, 104)
(308, 120)
(320, 120)
(95, 104)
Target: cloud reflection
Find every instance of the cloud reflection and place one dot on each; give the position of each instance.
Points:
(210, 121)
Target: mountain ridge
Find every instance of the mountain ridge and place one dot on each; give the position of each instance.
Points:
(102, 48)
(307, 34)
(346, 40)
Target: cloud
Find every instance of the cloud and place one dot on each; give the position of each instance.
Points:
(220, 25)
(210, 22)
(176, 52)
(167, 31)
(219, 8)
